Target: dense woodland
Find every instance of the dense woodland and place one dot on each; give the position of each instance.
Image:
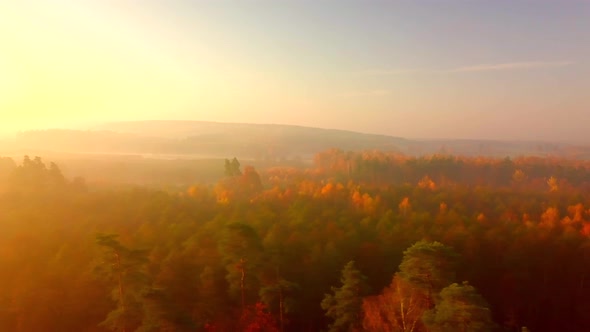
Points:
(359, 241)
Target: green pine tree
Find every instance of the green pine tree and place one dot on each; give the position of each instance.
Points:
(126, 269)
(345, 305)
(460, 309)
(428, 267)
(242, 253)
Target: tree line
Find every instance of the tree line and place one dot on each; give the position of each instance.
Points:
(284, 249)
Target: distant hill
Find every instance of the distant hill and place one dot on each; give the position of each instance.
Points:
(197, 139)
(205, 139)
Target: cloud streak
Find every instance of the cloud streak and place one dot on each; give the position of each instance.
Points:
(371, 93)
(508, 66)
(393, 72)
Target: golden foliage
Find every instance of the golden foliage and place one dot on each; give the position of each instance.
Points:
(427, 183)
(552, 183)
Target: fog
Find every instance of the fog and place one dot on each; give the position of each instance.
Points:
(294, 166)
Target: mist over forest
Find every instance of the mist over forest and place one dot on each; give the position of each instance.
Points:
(294, 166)
(194, 226)
(183, 152)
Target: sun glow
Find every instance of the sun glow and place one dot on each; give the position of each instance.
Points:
(62, 60)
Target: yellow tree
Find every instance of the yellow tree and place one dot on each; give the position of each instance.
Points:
(398, 308)
(552, 183)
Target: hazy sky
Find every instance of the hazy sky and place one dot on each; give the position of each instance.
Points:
(454, 69)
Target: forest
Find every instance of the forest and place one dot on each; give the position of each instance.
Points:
(356, 241)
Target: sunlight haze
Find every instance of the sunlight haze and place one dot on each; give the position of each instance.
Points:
(442, 69)
(294, 165)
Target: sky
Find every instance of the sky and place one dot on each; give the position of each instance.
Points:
(502, 69)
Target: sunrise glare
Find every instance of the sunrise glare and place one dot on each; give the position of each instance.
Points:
(424, 69)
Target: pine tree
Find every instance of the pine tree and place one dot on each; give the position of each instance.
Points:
(242, 251)
(345, 305)
(428, 267)
(125, 267)
(460, 309)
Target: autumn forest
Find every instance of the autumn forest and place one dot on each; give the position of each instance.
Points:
(354, 241)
